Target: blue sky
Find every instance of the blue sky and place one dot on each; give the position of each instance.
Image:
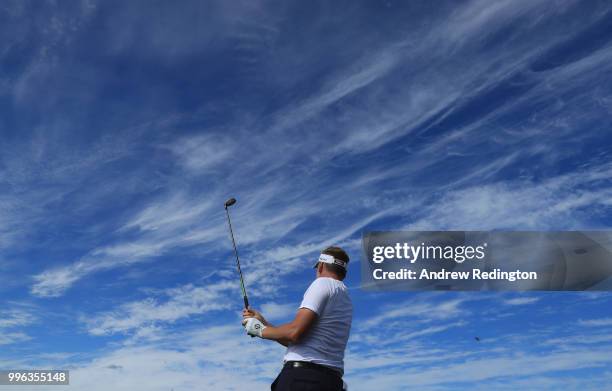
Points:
(126, 125)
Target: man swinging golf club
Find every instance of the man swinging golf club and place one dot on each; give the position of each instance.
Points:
(317, 336)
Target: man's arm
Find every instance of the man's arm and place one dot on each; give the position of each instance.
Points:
(292, 332)
(288, 333)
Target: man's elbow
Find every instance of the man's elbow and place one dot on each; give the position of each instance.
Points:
(295, 335)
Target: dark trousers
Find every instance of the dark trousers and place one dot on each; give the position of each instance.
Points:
(306, 379)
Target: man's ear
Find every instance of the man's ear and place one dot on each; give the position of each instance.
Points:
(320, 268)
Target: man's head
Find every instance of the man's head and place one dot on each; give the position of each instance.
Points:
(333, 261)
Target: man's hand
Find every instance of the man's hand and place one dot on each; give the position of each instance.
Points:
(251, 313)
(254, 327)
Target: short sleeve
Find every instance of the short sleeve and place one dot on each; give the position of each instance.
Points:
(316, 296)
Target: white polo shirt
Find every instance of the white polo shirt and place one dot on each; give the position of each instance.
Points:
(326, 340)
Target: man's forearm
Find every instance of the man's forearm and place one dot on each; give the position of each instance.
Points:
(284, 334)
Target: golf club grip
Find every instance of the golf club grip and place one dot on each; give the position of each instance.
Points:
(246, 302)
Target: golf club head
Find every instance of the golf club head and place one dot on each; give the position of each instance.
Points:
(230, 202)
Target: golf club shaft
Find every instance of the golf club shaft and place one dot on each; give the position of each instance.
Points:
(244, 294)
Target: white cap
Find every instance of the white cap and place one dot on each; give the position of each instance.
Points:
(326, 258)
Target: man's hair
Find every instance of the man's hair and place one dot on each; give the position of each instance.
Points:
(340, 254)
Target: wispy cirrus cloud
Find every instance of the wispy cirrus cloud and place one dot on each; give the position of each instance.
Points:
(562, 201)
(12, 322)
(424, 109)
(602, 322)
(175, 304)
(8, 338)
(434, 356)
(130, 127)
(421, 310)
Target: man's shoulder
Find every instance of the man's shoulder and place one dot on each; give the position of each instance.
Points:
(328, 283)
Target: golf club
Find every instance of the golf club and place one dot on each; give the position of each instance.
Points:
(229, 203)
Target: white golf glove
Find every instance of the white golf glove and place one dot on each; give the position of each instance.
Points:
(253, 327)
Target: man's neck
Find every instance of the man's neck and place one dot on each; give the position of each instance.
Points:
(329, 275)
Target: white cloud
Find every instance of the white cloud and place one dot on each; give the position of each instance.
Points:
(52, 283)
(8, 338)
(12, 322)
(477, 370)
(579, 340)
(426, 309)
(208, 357)
(15, 318)
(205, 359)
(181, 302)
(555, 202)
(166, 224)
(602, 322)
(203, 152)
(274, 311)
